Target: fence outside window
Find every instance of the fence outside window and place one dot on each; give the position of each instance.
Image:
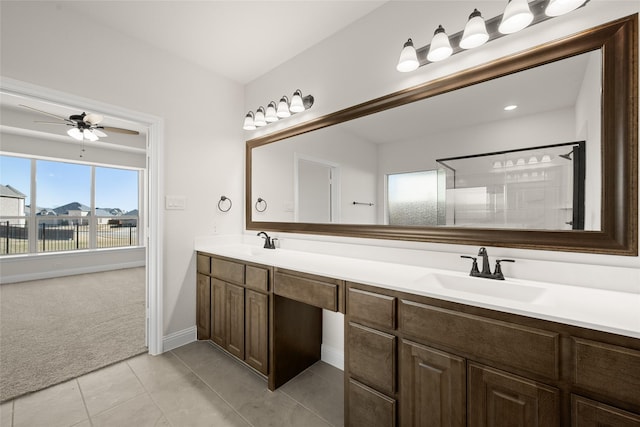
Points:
(67, 234)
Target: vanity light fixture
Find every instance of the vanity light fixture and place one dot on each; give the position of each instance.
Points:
(270, 115)
(560, 7)
(259, 119)
(283, 108)
(275, 112)
(475, 32)
(408, 58)
(248, 122)
(440, 47)
(517, 15)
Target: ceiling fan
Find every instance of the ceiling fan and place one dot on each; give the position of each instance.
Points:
(83, 126)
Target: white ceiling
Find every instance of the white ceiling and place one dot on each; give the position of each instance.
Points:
(238, 39)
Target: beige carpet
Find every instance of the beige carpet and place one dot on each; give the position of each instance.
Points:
(56, 329)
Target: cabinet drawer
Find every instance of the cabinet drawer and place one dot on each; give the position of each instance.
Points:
(371, 309)
(533, 350)
(372, 357)
(204, 264)
(607, 369)
(369, 408)
(309, 291)
(257, 278)
(227, 270)
(588, 413)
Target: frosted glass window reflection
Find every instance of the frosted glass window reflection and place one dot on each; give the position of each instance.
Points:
(413, 198)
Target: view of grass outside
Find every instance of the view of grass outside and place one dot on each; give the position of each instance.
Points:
(68, 214)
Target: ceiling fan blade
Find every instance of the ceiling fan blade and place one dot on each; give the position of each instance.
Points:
(92, 118)
(51, 123)
(99, 133)
(44, 112)
(120, 130)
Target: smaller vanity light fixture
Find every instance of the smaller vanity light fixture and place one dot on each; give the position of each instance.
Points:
(259, 119)
(275, 112)
(517, 15)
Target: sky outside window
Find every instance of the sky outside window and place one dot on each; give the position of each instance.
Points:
(16, 172)
(60, 183)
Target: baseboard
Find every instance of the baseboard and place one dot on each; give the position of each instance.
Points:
(332, 356)
(179, 338)
(69, 272)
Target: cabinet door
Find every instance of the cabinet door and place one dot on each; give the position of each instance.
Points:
(368, 408)
(218, 310)
(499, 399)
(432, 387)
(256, 339)
(588, 413)
(235, 319)
(203, 307)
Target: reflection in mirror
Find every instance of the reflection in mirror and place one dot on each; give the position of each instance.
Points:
(539, 188)
(378, 158)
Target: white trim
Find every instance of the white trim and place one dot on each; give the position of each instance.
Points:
(332, 356)
(155, 187)
(179, 338)
(69, 272)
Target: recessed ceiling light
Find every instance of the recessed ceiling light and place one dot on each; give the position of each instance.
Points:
(510, 107)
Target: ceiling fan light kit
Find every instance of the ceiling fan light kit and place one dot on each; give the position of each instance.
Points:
(84, 126)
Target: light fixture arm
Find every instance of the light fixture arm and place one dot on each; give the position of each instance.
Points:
(537, 9)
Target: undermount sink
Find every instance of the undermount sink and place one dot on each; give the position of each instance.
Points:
(504, 289)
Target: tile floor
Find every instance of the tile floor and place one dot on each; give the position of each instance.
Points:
(194, 385)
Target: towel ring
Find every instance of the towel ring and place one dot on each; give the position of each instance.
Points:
(221, 201)
(261, 202)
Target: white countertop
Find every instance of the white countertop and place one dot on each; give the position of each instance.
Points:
(599, 309)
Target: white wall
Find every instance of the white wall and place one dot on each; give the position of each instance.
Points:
(358, 64)
(43, 43)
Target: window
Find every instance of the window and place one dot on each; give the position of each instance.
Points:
(416, 198)
(74, 206)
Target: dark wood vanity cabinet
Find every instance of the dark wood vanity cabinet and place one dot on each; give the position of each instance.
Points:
(419, 361)
(236, 300)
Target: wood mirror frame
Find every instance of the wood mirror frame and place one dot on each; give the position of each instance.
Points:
(618, 41)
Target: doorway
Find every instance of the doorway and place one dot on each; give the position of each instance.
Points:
(316, 192)
(152, 182)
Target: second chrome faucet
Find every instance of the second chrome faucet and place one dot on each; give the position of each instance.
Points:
(486, 269)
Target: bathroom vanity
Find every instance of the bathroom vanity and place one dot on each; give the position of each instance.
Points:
(421, 348)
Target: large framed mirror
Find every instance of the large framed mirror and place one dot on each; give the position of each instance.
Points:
(558, 173)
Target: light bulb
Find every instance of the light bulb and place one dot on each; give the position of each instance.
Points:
(259, 119)
(248, 122)
(475, 32)
(440, 47)
(297, 105)
(408, 58)
(283, 108)
(560, 7)
(270, 116)
(516, 16)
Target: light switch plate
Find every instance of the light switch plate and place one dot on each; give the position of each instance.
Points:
(175, 202)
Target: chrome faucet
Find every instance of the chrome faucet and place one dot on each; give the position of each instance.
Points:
(269, 243)
(486, 269)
